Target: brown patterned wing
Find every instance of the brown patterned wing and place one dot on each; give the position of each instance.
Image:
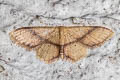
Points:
(88, 35)
(31, 37)
(77, 40)
(49, 33)
(96, 37)
(71, 34)
(75, 51)
(48, 52)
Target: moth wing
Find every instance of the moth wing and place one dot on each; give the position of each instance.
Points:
(71, 34)
(96, 37)
(48, 52)
(75, 51)
(49, 33)
(78, 39)
(31, 37)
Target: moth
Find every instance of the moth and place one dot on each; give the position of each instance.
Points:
(65, 42)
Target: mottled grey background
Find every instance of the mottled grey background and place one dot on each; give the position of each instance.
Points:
(102, 63)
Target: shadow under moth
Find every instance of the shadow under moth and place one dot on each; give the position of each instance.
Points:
(65, 42)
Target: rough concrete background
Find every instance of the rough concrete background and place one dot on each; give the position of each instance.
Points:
(102, 63)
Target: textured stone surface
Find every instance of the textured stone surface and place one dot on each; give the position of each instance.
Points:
(102, 63)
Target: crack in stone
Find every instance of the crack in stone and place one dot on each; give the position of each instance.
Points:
(6, 3)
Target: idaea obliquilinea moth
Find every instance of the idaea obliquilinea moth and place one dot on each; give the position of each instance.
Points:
(65, 42)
